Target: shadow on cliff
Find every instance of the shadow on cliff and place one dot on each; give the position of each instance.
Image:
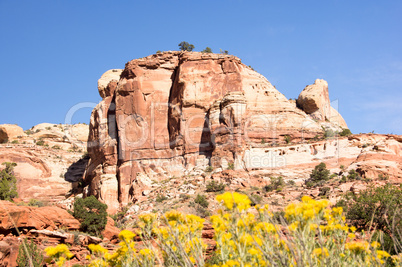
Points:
(75, 174)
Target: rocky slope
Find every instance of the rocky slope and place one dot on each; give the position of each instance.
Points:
(49, 159)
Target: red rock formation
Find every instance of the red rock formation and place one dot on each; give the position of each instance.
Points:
(175, 111)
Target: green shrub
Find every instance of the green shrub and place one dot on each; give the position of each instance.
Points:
(207, 50)
(277, 183)
(345, 132)
(209, 169)
(328, 133)
(213, 186)
(230, 166)
(287, 139)
(184, 46)
(40, 143)
(377, 208)
(8, 182)
(36, 203)
(184, 196)
(15, 142)
(319, 175)
(202, 201)
(353, 175)
(160, 198)
(92, 215)
(382, 177)
(29, 254)
(56, 147)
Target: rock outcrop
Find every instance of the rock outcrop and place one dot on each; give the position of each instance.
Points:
(10, 132)
(174, 112)
(314, 100)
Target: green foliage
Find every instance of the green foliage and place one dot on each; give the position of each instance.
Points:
(15, 142)
(184, 196)
(213, 186)
(201, 200)
(230, 166)
(345, 132)
(36, 203)
(224, 52)
(207, 50)
(319, 175)
(56, 147)
(382, 177)
(287, 139)
(29, 254)
(277, 183)
(40, 142)
(29, 132)
(353, 175)
(263, 141)
(209, 169)
(8, 182)
(92, 215)
(328, 133)
(377, 208)
(184, 46)
(160, 198)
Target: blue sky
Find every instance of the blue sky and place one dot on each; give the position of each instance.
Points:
(53, 52)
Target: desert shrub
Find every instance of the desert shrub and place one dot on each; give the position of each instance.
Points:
(377, 208)
(345, 132)
(207, 50)
(319, 175)
(287, 139)
(255, 199)
(15, 142)
(92, 215)
(328, 133)
(160, 198)
(382, 177)
(36, 203)
(8, 182)
(277, 183)
(263, 141)
(353, 175)
(184, 46)
(209, 169)
(29, 254)
(213, 186)
(201, 200)
(28, 132)
(56, 147)
(230, 166)
(311, 234)
(323, 191)
(40, 142)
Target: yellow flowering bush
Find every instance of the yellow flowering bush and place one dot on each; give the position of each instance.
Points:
(310, 234)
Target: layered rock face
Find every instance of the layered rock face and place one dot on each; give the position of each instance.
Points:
(48, 158)
(175, 112)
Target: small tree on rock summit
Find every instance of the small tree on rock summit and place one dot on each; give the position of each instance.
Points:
(184, 46)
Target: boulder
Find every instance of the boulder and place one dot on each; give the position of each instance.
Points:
(15, 217)
(103, 83)
(9, 132)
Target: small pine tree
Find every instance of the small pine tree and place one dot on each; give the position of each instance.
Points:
(319, 175)
(92, 215)
(184, 46)
(29, 254)
(8, 182)
(207, 50)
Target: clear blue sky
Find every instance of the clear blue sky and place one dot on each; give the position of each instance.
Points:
(53, 52)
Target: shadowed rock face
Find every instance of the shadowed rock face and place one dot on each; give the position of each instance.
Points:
(174, 112)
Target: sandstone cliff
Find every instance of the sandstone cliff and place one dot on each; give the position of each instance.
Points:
(176, 112)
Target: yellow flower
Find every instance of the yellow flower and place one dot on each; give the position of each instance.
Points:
(233, 200)
(126, 235)
(318, 252)
(375, 244)
(382, 254)
(357, 246)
